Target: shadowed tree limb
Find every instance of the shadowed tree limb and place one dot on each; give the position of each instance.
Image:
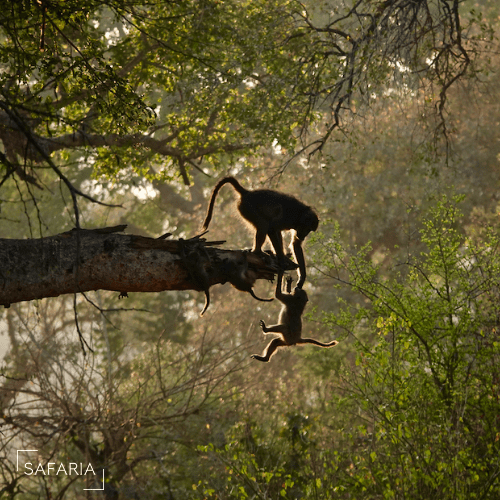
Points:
(101, 259)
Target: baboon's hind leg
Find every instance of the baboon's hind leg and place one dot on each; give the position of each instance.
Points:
(269, 351)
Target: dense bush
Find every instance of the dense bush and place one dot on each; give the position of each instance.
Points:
(417, 415)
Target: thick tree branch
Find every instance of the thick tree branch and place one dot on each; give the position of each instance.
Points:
(159, 146)
(23, 141)
(100, 259)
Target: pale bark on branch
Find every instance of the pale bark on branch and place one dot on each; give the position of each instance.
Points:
(102, 259)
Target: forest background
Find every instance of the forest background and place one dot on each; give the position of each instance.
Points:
(384, 116)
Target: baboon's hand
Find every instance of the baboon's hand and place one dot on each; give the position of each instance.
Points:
(263, 326)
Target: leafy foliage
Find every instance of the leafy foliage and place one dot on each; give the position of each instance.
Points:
(162, 86)
(427, 392)
(416, 414)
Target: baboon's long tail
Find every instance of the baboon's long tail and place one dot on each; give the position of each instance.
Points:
(237, 186)
(207, 302)
(258, 298)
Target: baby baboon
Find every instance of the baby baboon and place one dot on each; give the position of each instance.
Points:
(240, 275)
(271, 212)
(290, 323)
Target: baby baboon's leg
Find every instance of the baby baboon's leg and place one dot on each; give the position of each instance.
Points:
(269, 351)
